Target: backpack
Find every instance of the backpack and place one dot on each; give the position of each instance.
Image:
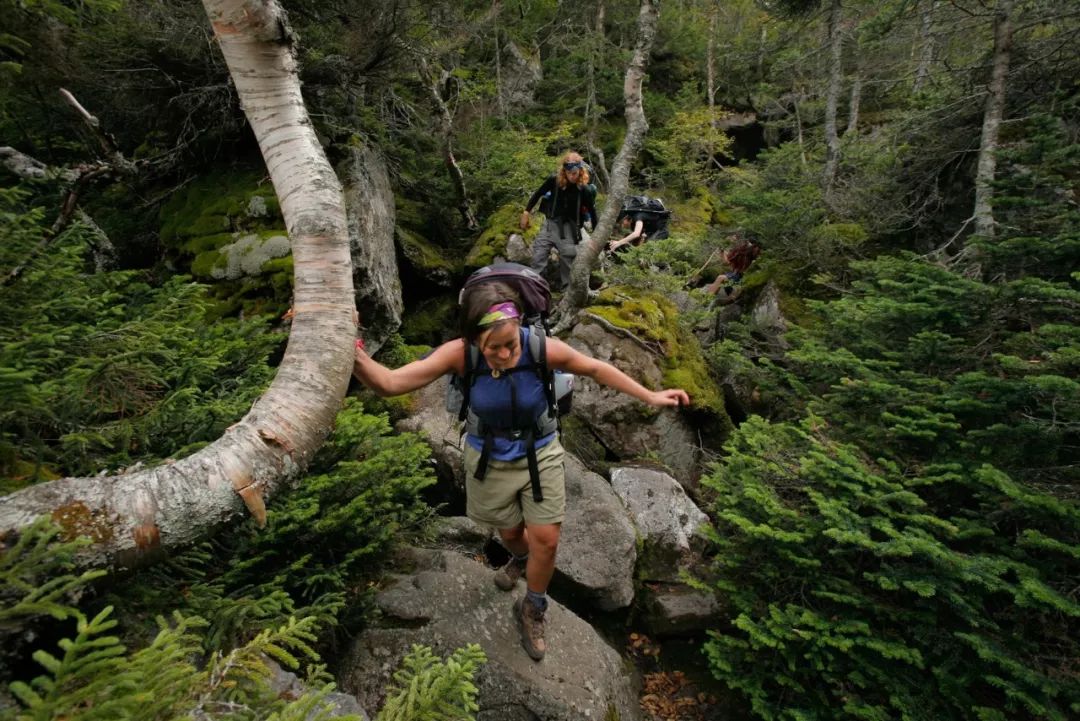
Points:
(558, 386)
(657, 215)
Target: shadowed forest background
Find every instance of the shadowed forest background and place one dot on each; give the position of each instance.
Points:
(891, 462)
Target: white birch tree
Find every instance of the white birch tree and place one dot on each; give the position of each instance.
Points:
(132, 517)
(636, 127)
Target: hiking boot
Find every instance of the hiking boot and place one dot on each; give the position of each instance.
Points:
(507, 576)
(530, 623)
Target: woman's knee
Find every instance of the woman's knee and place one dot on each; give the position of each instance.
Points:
(544, 538)
(512, 534)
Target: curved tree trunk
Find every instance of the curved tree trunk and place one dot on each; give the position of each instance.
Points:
(132, 517)
(636, 127)
(995, 109)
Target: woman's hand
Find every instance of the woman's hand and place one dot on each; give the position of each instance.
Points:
(669, 397)
(525, 219)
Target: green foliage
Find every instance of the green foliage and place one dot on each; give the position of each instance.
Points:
(96, 678)
(427, 689)
(35, 578)
(105, 369)
(688, 145)
(856, 593)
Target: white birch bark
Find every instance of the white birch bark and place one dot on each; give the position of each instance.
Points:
(992, 115)
(132, 518)
(832, 98)
(636, 127)
(926, 45)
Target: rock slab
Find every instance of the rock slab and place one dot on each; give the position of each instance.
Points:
(450, 601)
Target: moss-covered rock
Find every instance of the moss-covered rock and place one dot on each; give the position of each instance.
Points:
(221, 202)
(500, 226)
(692, 217)
(653, 318)
(427, 259)
(432, 322)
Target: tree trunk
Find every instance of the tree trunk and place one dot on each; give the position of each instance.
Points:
(435, 84)
(592, 105)
(133, 517)
(926, 45)
(853, 104)
(636, 127)
(832, 98)
(995, 109)
(710, 63)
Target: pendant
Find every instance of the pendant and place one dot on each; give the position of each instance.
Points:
(495, 373)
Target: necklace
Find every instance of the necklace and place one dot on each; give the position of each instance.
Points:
(495, 372)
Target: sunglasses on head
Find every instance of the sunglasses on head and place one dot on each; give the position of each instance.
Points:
(573, 166)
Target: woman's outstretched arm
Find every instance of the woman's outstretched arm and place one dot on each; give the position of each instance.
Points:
(447, 358)
(563, 357)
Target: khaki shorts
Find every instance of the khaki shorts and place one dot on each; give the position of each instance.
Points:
(504, 498)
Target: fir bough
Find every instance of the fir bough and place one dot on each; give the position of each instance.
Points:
(427, 689)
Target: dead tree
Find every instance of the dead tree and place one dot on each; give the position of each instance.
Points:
(992, 115)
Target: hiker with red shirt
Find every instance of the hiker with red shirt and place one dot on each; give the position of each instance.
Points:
(739, 258)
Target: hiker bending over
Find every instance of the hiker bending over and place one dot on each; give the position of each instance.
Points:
(525, 506)
(739, 257)
(569, 198)
(645, 218)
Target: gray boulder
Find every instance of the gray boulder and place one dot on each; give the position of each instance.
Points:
(766, 316)
(450, 601)
(597, 548)
(441, 429)
(517, 250)
(676, 610)
(369, 206)
(461, 533)
(669, 522)
(287, 685)
(624, 425)
(519, 75)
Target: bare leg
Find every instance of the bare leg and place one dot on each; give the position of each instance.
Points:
(543, 541)
(515, 539)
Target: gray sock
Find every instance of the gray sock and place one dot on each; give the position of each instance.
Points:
(538, 600)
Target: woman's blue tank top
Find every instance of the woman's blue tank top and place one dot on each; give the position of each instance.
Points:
(489, 399)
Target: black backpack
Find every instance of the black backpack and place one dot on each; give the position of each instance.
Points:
(656, 214)
(558, 386)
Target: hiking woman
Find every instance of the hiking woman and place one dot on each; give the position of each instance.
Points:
(569, 196)
(525, 504)
(739, 258)
(646, 218)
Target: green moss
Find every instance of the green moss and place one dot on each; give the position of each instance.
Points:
(500, 226)
(692, 217)
(425, 257)
(218, 203)
(204, 243)
(653, 318)
(432, 321)
(411, 214)
(205, 263)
